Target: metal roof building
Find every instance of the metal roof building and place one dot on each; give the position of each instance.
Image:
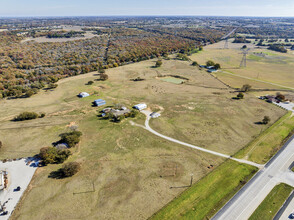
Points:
(99, 102)
(140, 106)
(83, 95)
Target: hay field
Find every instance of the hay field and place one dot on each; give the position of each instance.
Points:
(270, 66)
(131, 169)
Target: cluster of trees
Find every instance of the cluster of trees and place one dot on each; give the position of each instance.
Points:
(52, 155)
(184, 57)
(278, 47)
(71, 138)
(62, 34)
(56, 155)
(201, 35)
(215, 65)
(28, 116)
(242, 40)
(132, 114)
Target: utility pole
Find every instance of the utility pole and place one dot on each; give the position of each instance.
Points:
(244, 58)
(191, 180)
(226, 46)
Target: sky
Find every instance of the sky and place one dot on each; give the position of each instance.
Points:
(261, 8)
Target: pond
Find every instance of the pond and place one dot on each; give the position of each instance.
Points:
(172, 79)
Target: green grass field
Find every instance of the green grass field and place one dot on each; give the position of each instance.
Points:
(261, 149)
(205, 197)
(272, 203)
(172, 80)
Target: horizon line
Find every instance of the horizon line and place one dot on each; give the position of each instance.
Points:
(70, 16)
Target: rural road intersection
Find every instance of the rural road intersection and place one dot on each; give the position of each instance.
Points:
(244, 203)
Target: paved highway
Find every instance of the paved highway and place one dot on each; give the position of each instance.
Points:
(244, 203)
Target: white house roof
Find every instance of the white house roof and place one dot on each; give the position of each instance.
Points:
(141, 106)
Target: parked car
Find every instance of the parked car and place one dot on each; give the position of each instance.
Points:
(4, 213)
(17, 189)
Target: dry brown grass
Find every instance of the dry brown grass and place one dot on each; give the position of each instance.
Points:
(125, 162)
(275, 67)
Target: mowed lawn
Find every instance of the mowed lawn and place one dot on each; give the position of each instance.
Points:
(272, 203)
(205, 197)
(267, 144)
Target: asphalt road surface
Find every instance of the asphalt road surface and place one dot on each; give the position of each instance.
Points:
(244, 203)
(20, 174)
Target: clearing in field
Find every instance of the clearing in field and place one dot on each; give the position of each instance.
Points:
(172, 80)
(126, 171)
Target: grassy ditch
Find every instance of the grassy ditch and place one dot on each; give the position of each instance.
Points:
(209, 194)
(269, 142)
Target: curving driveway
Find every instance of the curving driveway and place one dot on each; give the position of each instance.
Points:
(244, 203)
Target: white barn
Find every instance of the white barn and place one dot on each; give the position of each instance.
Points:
(83, 95)
(140, 106)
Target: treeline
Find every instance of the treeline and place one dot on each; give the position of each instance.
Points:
(27, 67)
(28, 116)
(69, 34)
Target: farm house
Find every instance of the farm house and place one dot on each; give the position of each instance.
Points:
(99, 102)
(140, 106)
(83, 95)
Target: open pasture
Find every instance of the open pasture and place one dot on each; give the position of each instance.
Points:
(126, 171)
(262, 64)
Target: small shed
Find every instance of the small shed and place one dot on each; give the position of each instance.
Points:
(99, 102)
(83, 94)
(155, 115)
(140, 106)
